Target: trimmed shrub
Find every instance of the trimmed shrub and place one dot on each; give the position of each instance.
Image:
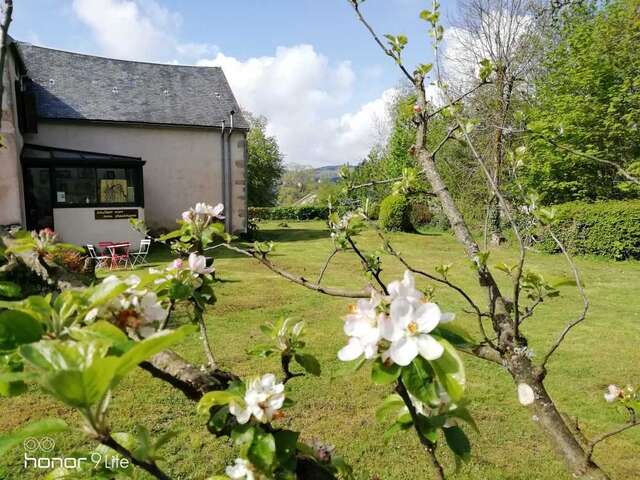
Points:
(419, 211)
(395, 214)
(609, 229)
(305, 212)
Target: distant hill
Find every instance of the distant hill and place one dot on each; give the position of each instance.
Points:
(328, 173)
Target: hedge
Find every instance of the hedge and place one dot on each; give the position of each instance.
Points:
(289, 213)
(609, 229)
(395, 213)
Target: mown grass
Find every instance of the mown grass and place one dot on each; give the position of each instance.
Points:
(338, 407)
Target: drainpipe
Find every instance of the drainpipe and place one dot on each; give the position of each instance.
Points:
(229, 204)
(223, 157)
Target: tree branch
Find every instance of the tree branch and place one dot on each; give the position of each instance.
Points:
(633, 422)
(332, 291)
(356, 7)
(585, 301)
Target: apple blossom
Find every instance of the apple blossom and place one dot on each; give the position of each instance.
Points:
(362, 326)
(613, 393)
(408, 327)
(262, 399)
(405, 288)
(241, 469)
(198, 264)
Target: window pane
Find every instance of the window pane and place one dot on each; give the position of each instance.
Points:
(75, 185)
(117, 185)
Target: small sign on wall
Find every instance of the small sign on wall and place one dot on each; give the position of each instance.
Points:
(115, 213)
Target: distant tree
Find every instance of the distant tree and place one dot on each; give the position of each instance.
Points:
(265, 167)
(588, 102)
(297, 182)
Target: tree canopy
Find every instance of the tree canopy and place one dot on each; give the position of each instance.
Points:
(265, 164)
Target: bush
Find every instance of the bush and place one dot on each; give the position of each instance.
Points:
(395, 214)
(289, 213)
(610, 229)
(419, 211)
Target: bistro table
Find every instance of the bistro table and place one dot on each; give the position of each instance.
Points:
(118, 251)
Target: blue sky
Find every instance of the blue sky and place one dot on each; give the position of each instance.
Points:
(308, 65)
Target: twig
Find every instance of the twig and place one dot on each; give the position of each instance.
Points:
(326, 264)
(429, 446)
(332, 291)
(442, 143)
(285, 362)
(620, 170)
(460, 98)
(585, 301)
(365, 266)
(373, 183)
(149, 467)
(633, 422)
(205, 337)
(356, 8)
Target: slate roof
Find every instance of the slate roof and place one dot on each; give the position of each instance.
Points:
(84, 87)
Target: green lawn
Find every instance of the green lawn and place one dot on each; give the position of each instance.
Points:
(339, 406)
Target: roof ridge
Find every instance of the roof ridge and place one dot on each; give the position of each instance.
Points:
(180, 65)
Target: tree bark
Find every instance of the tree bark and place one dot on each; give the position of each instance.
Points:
(520, 367)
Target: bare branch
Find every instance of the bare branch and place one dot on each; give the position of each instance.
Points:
(365, 266)
(585, 301)
(633, 422)
(356, 8)
(442, 143)
(331, 291)
(326, 265)
(620, 170)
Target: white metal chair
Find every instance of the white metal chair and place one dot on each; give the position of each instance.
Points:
(101, 260)
(140, 256)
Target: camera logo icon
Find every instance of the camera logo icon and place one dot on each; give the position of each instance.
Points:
(44, 444)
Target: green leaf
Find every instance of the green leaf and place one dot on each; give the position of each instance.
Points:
(418, 379)
(450, 371)
(35, 429)
(382, 374)
(262, 451)
(211, 399)
(458, 442)
(309, 363)
(463, 414)
(392, 404)
(286, 448)
(10, 289)
(396, 427)
(104, 332)
(18, 328)
(148, 347)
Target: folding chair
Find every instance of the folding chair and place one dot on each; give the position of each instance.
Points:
(140, 256)
(101, 260)
(119, 254)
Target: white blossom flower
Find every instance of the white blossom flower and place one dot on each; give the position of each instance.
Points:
(198, 264)
(612, 394)
(405, 288)
(262, 399)
(204, 209)
(408, 327)
(241, 469)
(526, 395)
(362, 325)
(187, 216)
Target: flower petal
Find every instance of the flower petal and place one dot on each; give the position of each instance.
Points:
(428, 317)
(429, 347)
(351, 351)
(404, 351)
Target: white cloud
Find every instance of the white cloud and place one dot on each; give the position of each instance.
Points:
(138, 30)
(305, 96)
(307, 99)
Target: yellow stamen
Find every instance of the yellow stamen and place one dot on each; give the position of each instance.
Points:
(413, 327)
